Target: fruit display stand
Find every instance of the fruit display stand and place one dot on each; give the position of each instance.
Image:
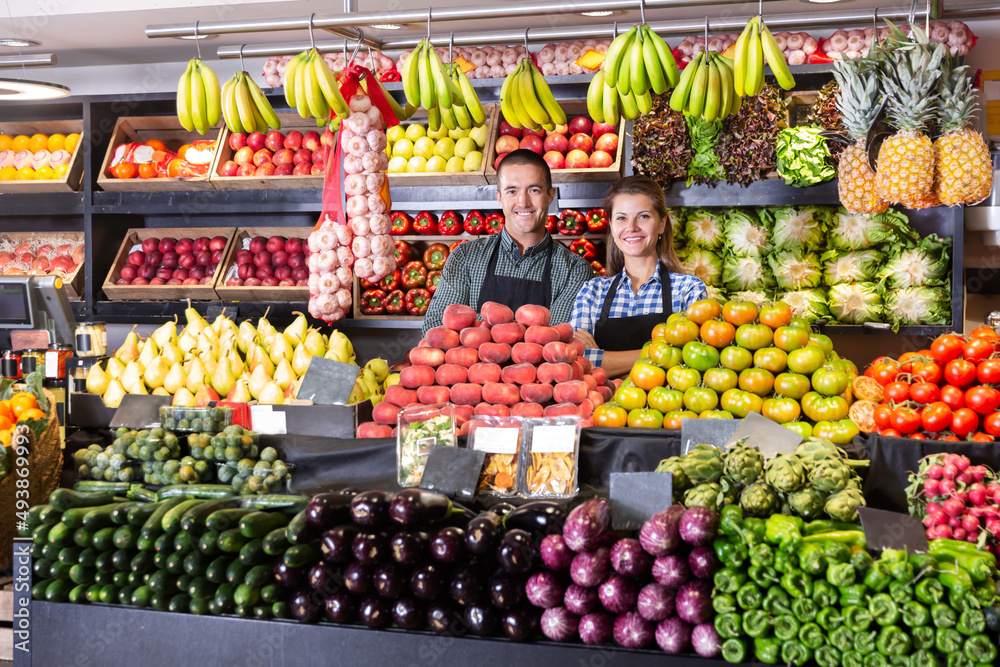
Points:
(73, 282)
(227, 267)
(71, 180)
(141, 129)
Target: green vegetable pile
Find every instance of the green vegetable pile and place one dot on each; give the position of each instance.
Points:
(803, 156)
(792, 593)
(705, 166)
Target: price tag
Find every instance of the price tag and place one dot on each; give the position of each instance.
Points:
(267, 421)
(771, 438)
(464, 64)
(496, 440)
(591, 59)
(892, 530)
(553, 438)
(715, 432)
(453, 471)
(636, 496)
(328, 382)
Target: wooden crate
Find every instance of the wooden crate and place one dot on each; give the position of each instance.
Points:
(243, 235)
(358, 315)
(572, 108)
(71, 180)
(141, 129)
(74, 281)
(162, 292)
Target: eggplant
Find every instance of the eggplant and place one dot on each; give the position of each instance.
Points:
(705, 640)
(350, 491)
(673, 635)
(580, 600)
(324, 578)
(481, 619)
(545, 589)
(560, 624)
(590, 568)
(409, 548)
(287, 576)
(655, 602)
(698, 526)
(693, 602)
(517, 552)
(586, 524)
(375, 611)
(389, 580)
(555, 554)
(660, 535)
(448, 545)
(506, 590)
(416, 507)
(502, 509)
(340, 607)
(539, 518)
(358, 578)
(370, 547)
(633, 631)
(329, 509)
(441, 617)
(618, 594)
(370, 509)
(516, 625)
(628, 558)
(466, 585)
(596, 627)
(304, 605)
(703, 562)
(483, 534)
(427, 581)
(336, 543)
(408, 613)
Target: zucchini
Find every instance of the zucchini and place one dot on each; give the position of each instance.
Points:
(160, 601)
(61, 534)
(98, 517)
(119, 515)
(301, 555)
(135, 579)
(67, 499)
(83, 537)
(164, 543)
(104, 539)
(274, 501)
(96, 486)
(258, 576)
(195, 517)
(259, 524)
(243, 611)
(172, 519)
(162, 582)
(272, 592)
(225, 592)
(142, 597)
(143, 562)
(126, 537)
(109, 594)
(179, 603)
(300, 530)
(195, 564)
(58, 590)
(34, 518)
(225, 519)
(38, 551)
(40, 535)
(223, 603)
(74, 517)
(175, 562)
(88, 557)
(252, 553)
(139, 493)
(185, 542)
(236, 572)
(79, 594)
(183, 582)
(208, 544)
(246, 595)
(41, 567)
(94, 593)
(153, 527)
(59, 570)
(262, 611)
(145, 545)
(276, 542)
(138, 515)
(38, 589)
(216, 570)
(122, 560)
(81, 575)
(199, 606)
(204, 491)
(120, 579)
(200, 588)
(160, 559)
(51, 552)
(231, 541)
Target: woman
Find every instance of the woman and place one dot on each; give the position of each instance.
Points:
(614, 316)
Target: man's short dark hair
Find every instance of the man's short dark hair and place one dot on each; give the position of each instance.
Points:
(524, 156)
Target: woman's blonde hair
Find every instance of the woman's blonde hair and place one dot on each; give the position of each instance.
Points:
(640, 185)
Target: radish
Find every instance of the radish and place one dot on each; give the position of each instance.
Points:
(953, 507)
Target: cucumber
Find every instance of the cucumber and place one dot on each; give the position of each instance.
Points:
(142, 597)
(300, 555)
(135, 579)
(122, 560)
(119, 515)
(272, 592)
(153, 527)
(51, 552)
(79, 594)
(67, 499)
(58, 590)
(49, 514)
(172, 519)
(216, 570)
(195, 564)
(231, 541)
(104, 562)
(185, 542)
(281, 609)
(61, 534)
(224, 593)
(94, 593)
(125, 595)
(236, 572)
(40, 535)
(274, 501)
(145, 545)
(104, 539)
(220, 605)
(139, 493)
(138, 515)
(109, 594)
(201, 587)
(59, 570)
(38, 551)
(88, 557)
(195, 518)
(183, 582)
(98, 517)
(126, 537)
(160, 601)
(164, 543)
(162, 582)
(175, 562)
(243, 611)
(208, 544)
(35, 516)
(199, 606)
(80, 574)
(205, 491)
(246, 595)
(258, 576)
(83, 537)
(41, 567)
(69, 555)
(259, 524)
(226, 519)
(180, 603)
(276, 542)
(38, 589)
(252, 553)
(262, 611)
(143, 562)
(300, 530)
(96, 486)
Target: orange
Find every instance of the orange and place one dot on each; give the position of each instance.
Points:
(61, 170)
(6, 141)
(25, 174)
(56, 142)
(20, 143)
(5, 410)
(124, 170)
(5, 423)
(38, 142)
(33, 413)
(182, 151)
(157, 144)
(19, 403)
(5, 437)
(45, 173)
(7, 173)
(71, 141)
(147, 170)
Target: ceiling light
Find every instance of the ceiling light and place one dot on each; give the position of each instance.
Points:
(22, 89)
(604, 12)
(386, 26)
(199, 37)
(17, 42)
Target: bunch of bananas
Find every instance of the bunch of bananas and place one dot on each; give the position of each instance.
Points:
(199, 98)
(245, 107)
(445, 91)
(639, 61)
(706, 88)
(527, 102)
(369, 386)
(311, 87)
(754, 45)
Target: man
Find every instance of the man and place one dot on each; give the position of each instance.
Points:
(520, 265)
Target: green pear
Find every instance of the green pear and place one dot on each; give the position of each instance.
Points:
(115, 368)
(380, 367)
(97, 380)
(196, 376)
(271, 394)
(129, 350)
(194, 319)
(150, 351)
(258, 380)
(301, 359)
(236, 363)
(281, 348)
(176, 378)
(156, 373)
(113, 396)
(240, 393)
(165, 334)
(222, 378)
(315, 343)
(298, 328)
(183, 398)
(246, 336)
(132, 377)
(283, 374)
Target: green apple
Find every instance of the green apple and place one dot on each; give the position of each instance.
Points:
(473, 161)
(439, 133)
(403, 148)
(455, 164)
(424, 147)
(395, 133)
(464, 146)
(416, 165)
(445, 148)
(436, 163)
(414, 131)
(480, 134)
(458, 133)
(397, 165)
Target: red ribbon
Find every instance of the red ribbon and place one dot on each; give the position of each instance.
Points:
(333, 198)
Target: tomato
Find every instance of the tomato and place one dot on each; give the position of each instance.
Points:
(702, 311)
(867, 388)
(738, 313)
(906, 361)
(674, 419)
(928, 371)
(963, 422)
(753, 336)
(883, 370)
(992, 423)
(791, 385)
(683, 378)
(665, 400)
(645, 418)
(936, 417)
(982, 437)
(720, 379)
(630, 397)
(960, 372)
(881, 415)
(905, 420)
(718, 333)
(821, 341)
(646, 375)
(777, 314)
(681, 331)
(741, 403)
(988, 371)
(949, 438)
(862, 413)
(660, 330)
(891, 433)
(663, 354)
(790, 338)
(699, 399)
(715, 414)
(611, 415)
(839, 432)
(979, 349)
(800, 323)
(985, 332)
(947, 347)
(819, 408)
(806, 360)
(830, 382)
(802, 428)
(736, 358)
(781, 410)
(770, 359)
(757, 381)
(953, 396)
(924, 392)
(917, 436)
(897, 392)
(700, 356)
(845, 365)
(983, 400)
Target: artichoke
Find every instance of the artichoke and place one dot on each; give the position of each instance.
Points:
(674, 466)
(814, 450)
(759, 499)
(703, 464)
(786, 473)
(807, 502)
(744, 464)
(830, 475)
(843, 505)
(705, 495)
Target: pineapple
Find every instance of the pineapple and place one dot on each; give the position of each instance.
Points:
(859, 103)
(963, 168)
(909, 71)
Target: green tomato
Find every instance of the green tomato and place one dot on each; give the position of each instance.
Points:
(791, 338)
(700, 356)
(720, 379)
(754, 336)
(829, 382)
(715, 414)
(822, 342)
(802, 428)
(700, 399)
(665, 399)
(663, 354)
(781, 410)
(771, 359)
(791, 385)
(840, 432)
(819, 408)
(806, 360)
(800, 323)
(645, 418)
(757, 381)
(683, 378)
(736, 358)
(741, 403)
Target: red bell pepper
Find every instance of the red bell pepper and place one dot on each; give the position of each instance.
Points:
(433, 278)
(454, 245)
(551, 223)
(584, 248)
(474, 223)
(417, 301)
(414, 274)
(494, 223)
(401, 223)
(391, 281)
(572, 223)
(403, 252)
(435, 256)
(450, 224)
(425, 222)
(371, 302)
(366, 284)
(597, 221)
(598, 269)
(394, 302)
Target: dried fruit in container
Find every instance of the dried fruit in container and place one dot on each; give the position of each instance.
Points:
(500, 438)
(551, 457)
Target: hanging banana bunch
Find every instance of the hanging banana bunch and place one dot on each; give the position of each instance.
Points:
(706, 88)
(311, 87)
(445, 91)
(756, 44)
(199, 98)
(637, 66)
(527, 102)
(245, 107)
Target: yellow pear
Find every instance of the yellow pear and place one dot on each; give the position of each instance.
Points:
(341, 350)
(113, 396)
(380, 367)
(210, 362)
(165, 334)
(187, 341)
(315, 343)
(217, 324)
(205, 344)
(132, 377)
(293, 389)
(194, 319)
(264, 328)
(301, 359)
(149, 352)
(156, 373)
(141, 389)
(260, 358)
(246, 336)
(160, 391)
(236, 363)
(283, 374)
(258, 380)
(97, 380)
(183, 398)
(222, 378)
(240, 393)
(298, 328)
(196, 376)
(129, 350)
(115, 368)
(271, 394)
(171, 353)
(176, 378)
(281, 348)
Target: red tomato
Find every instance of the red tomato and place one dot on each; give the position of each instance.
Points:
(992, 423)
(960, 372)
(963, 422)
(890, 432)
(928, 371)
(936, 417)
(905, 420)
(947, 347)
(985, 332)
(953, 396)
(702, 311)
(979, 349)
(897, 392)
(918, 436)
(776, 314)
(988, 371)
(983, 400)
(882, 416)
(982, 437)
(924, 392)
(884, 370)
(906, 361)
(717, 333)
(738, 313)
(949, 438)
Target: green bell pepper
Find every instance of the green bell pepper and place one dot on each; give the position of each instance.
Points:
(856, 594)
(840, 574)
(767, 649)
(898, 565)
(824, 594)
(786, 627)
(762, 555)
(783, 562)
(730, 551)
(804, 609)
(827, 526)
(731, 521)
(893, 641)
(811, 636)
(971, 622)
(878, 577)
(729, 579)
(979, 564)
(837, 546)
(923, 562)
(980, 648)
(883, 609)
(842, 638)
(947, 640)
(762, 576)
(749, 596)
(864, 642)
(900, 592)
(734, 650)
(862, 562)
(777, 602)
(756, 623)
(827, 656)
(783, 530)
(724, 603)
(753, 530)
(811, 559)
(986, 592)
(958, 659)
(915, 614)
(795, 653)
(962, 602)
(923, 658)
(929, 591)
(943, 616)
(797, 584)
(728, 625)
(851, 658)
(857, 618)
(829, 618)
(876, 660)
(923, 637)
(955, 579)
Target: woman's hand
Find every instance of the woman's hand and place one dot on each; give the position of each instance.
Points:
(586, 338)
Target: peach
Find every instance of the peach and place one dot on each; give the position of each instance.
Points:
(416, 376)
(458, 316)
(450, 374)
(373, 430)
(497, 353)
(400, 396)
(577, 369)
(385, 413)
(463, 413)
(504, 394)
(496, 313)
(600, 375)
(466, 394)
(586, 408)
(617, 382)
(573, 391)
(463, 427)
(588, 365)
(559, 353)
(442, 338)
(433, 395)
(565, 331)
(531, 410)
(541, 335)
(590, 381)
(532, 315)
(536, 393)
(463, 356)
(595, 398)
(427, 356)
(526, 353)
(518, 374)
(510, 333)
(562, 410)
(606, 392)
(491, 410)
(578, 344)
(482, 373)
(554, 373)
(474, 337)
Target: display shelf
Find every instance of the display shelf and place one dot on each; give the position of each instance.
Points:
(768, 192)
(434, 238)
(51, 203)
(208, 201)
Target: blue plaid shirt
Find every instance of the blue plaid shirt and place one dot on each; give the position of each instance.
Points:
(684, 289)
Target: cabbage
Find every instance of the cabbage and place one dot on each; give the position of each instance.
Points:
(851, 231)
(793, 271)
(703, 264)
(918, 305)
(746, 273)
(717, 293)
(799, 228)
(746, 235)
(755, 297)
(926, 263)
(676, 217)
(851, 267)
(855, 303)
(807, 303)
(703, 228)
(803, 156)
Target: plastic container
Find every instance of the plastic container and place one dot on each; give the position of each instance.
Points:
(176, 471)
(154, 444)
(256, 477)
(421, 427)
(196, 420)
(501, 439)
(233, 444)
(550, 458)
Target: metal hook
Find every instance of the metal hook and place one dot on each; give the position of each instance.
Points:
(927, 18)
(243, 66)
(913, 10)
(451, 46)
(706, 34)
(614, 31)
(429, 23)
(357, 47)
(875, 36)
(642, 11)
(312, 37)
(197, 41)
(526, 39)
(760, 8)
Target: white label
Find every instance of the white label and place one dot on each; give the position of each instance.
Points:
(554, 439)
(495, 440)
(268, 422)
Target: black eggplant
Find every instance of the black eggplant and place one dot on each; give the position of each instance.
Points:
(483, 534)
(481, 619)
(448, 545)
(340, 607)
(506, 590)
(336, 543)
(516, 626)
(443, 618)
(375, 611)
(325, 578)
(389, 580)
(517, 552)
(409, 548)
(304, 605)
(289, 577)
(370, 509)
(370, 547)
(329, 509)
(358, 578)
(466, 586)
(502, 508)
(539, 518)
(416, 507)
(408, 613)
(427, 581)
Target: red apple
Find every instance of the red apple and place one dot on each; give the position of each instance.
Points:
(63, 263)
(255, 141)
(265, 169)
(166, 274)
(283, 272)
(184, 246)
(302, 155)
(257, 244)
(283, 156)
(251, 282)
(279, 258)
(506, 129)
(316, 169)
(265, 271)
(263, 156)
(581, 142)
(166, 245)
(139, 281)
(274, 141)
(285, 169)
(200, 243)
(500, 157)
(577, 160)
(607, 142)
(300, 273)
(601, 160)
(247, 169)
(506, 143)
(128, 272)
(137, 258)
(560, 129)
(216, 256)
(243, 155)
(294, 245)
(229, 168)
(158, 281)
(555, 160)
(234, 282)
(533, 133)
(262, 258)
(197, 273)
(244, 271)
(155, 258)
(181, 274)
(328, 138)
(532, 143)
(187, 261)
(237, 140)
(243, 257)
(602, 128)
(580, 124)
(556, 142)
(204, 258)
(170, 259)
(319, 155)
(293, 140)
(311, 140)
(191, 281)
